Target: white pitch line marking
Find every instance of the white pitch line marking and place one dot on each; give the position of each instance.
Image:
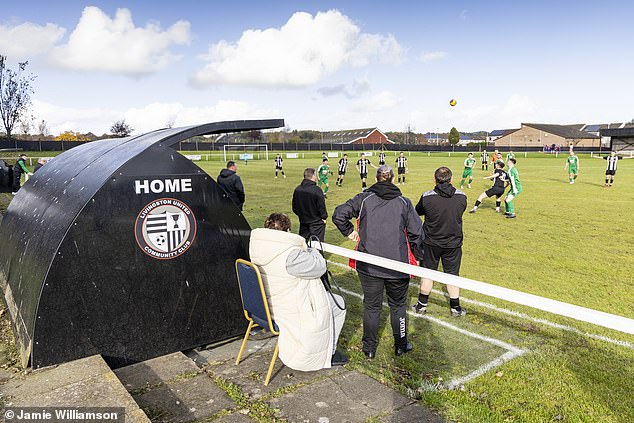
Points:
(520, 315)
(511, 353)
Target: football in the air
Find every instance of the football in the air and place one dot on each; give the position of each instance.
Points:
(453, 102)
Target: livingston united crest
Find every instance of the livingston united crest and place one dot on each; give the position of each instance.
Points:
(165, 228)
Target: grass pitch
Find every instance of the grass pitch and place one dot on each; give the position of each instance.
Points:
(573, 243)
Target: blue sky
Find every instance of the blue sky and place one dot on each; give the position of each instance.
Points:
(325, 65)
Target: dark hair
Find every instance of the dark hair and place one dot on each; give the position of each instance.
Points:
(230, 163)
(513, 160)
(500, 164)
(278, 222)
(324, 160)
(384, 174)
(443, 175)
(22, 155)
(309, 172)
(344, 155)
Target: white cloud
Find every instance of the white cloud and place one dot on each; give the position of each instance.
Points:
(356, 89)
(432, 56)
(300, 53)
(144, 119)
(116, 45)
(463, 14)
(384, 100)
(26, 40)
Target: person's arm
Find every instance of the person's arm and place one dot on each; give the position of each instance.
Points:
(414, 228)
(321, 206)
(23, 166)
(513, 187)
(358, 168)
(566, 165)
(346, 211)
(495, 175)
(240, 190)
(372, 164)
(306, 264)
(295, 203)
(420, 208)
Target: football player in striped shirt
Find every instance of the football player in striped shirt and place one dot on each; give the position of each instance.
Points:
(610, 170)
(381, 158)
(484, 159)
(467, 173)
(362, 167)
(401, 165)
(343, 167)
(278, 165)
(500, 182)
(572, 164)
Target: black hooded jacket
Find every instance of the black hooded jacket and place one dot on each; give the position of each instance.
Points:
(309, 203)
(386, 221)
(232, 184)
(443, 208)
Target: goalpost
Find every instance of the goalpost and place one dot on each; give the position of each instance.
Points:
(245, 151)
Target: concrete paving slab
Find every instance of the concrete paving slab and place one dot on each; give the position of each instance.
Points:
(348, 397)
(185, 400)
(235, 417)
(413, 413)
(44, 380)
(251, 371)
(156, 370)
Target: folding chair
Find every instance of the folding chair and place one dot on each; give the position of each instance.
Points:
(255, 307)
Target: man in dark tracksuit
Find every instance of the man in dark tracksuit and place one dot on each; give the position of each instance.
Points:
(388, 224)
(443, 208)
(231, 183)
(309, 205)
(18, 170)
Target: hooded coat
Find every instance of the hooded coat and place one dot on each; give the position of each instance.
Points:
(443, 207)
(387, 226)
(297, 298)
(231, 183)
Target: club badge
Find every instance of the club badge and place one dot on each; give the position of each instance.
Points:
(165, 228)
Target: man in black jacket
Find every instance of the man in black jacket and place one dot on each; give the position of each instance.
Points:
(310, 206)
(387, 226)
(443, 208)
(231, 183)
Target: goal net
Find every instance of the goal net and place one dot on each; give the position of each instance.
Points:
(246, 152)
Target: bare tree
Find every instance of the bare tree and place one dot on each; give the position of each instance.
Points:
(42, 129)
(170, 123)
(121, 129)
(15, 93)
(26, 124)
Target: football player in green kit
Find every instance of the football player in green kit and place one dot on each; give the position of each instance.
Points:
(469, 164)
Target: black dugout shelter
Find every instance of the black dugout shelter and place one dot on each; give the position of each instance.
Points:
(124, 248)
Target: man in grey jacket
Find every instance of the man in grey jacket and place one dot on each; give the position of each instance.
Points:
(388, 226)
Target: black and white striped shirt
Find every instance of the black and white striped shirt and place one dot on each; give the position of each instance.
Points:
(382, 158)
(612, 161)
(484, 156)
(401, 162)
(343, 165)
(279, 161)
(363, 165)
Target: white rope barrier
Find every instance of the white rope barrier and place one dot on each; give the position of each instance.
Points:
(600, 318)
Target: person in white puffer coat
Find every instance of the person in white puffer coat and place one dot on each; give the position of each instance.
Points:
(309, 321)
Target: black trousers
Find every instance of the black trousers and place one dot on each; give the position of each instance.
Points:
(16, 181)
(396, 290)
(318, 229)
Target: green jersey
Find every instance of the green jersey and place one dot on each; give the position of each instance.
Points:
(469, 163)
(510, 156)
(573, 161)
(514, 177)
(323, 171)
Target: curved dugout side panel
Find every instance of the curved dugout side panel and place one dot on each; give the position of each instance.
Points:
(123, 248)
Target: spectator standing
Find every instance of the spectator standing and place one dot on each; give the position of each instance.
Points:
(309, 205)
(387, 227)
(442, 208)
(18, 170)
(231, 183)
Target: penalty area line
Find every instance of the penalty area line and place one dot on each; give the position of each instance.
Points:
(519, 315)
(511, 350)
